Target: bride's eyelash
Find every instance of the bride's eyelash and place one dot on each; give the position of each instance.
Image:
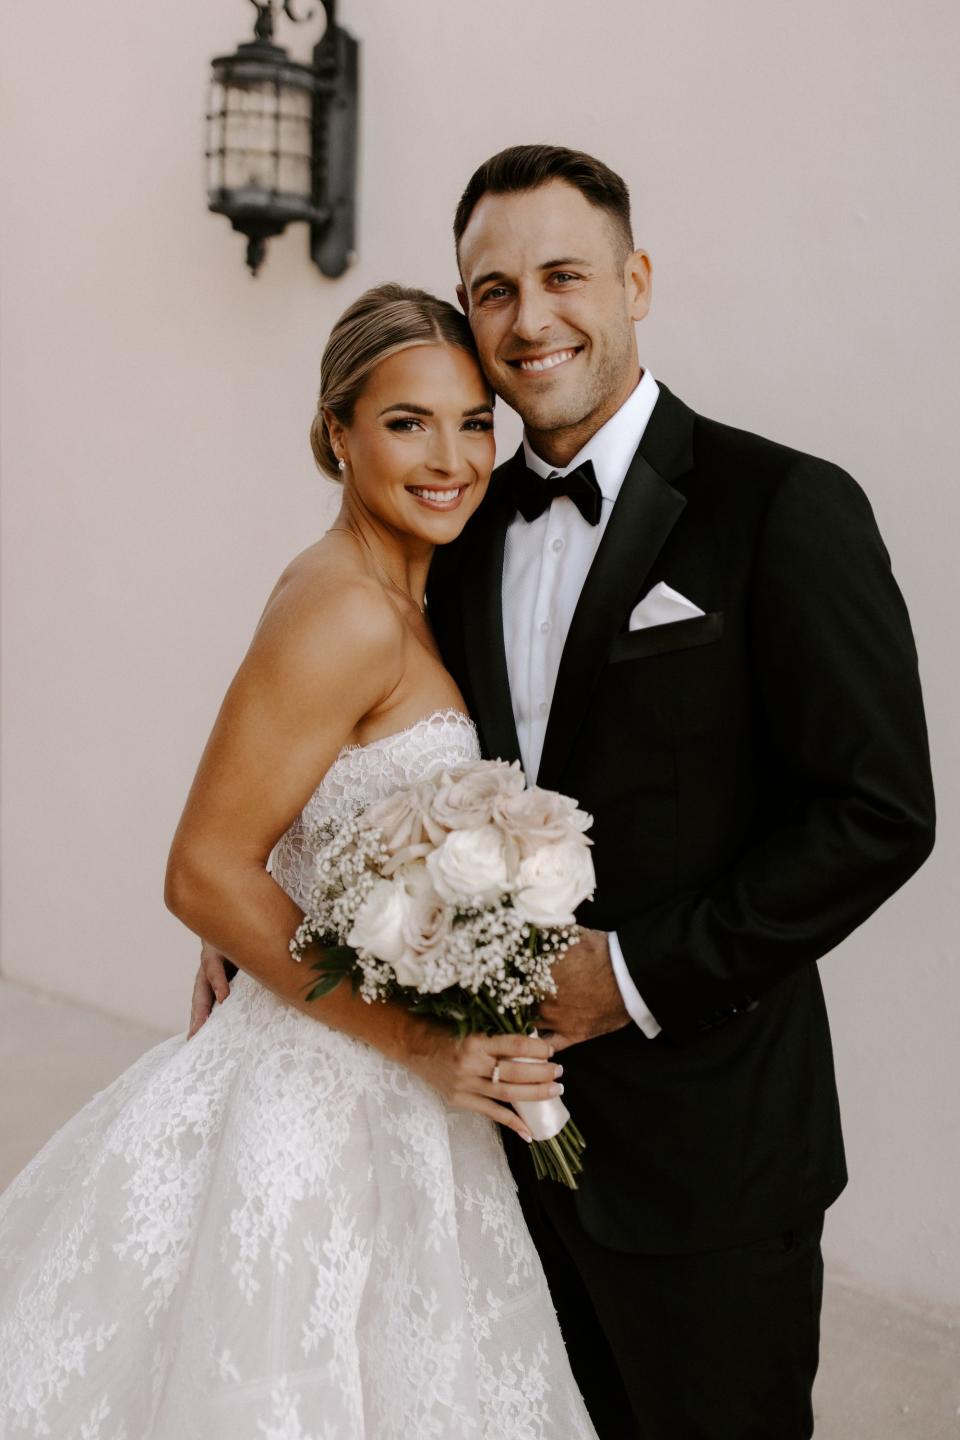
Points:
(403, 426)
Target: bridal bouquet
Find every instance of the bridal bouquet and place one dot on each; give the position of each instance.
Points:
(456, 895)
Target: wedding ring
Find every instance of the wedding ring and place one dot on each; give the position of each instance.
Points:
(495, 1077)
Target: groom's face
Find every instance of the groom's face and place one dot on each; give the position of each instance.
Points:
(552, 293)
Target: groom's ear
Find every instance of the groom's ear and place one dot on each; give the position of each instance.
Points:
(462, 297)
(638, 283)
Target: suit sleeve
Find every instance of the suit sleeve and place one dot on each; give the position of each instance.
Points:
(835, 673)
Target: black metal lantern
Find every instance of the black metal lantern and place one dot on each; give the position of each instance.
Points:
(282, 140)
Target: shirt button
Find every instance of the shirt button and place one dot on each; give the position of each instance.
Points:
(543, 707)
(556, 545)
(544, 627)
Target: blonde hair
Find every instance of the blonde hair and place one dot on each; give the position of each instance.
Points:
(384, 320)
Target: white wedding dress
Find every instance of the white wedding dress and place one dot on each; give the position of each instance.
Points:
(270, 1232)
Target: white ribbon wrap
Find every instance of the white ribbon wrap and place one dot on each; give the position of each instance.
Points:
(543, 1118)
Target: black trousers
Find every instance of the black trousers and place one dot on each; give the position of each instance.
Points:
(715, 1346)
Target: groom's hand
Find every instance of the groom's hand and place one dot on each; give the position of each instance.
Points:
(588, 1000)
(212, 984)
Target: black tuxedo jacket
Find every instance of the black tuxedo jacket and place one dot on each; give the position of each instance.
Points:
(760, 782)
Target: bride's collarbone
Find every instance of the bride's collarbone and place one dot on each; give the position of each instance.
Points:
(415, 634)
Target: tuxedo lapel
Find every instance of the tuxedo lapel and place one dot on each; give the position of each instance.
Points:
(646, 510)
(481, 583)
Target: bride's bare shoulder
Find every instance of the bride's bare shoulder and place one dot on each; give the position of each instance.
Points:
(322, 607)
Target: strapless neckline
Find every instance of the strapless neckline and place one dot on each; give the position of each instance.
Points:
(447, 716)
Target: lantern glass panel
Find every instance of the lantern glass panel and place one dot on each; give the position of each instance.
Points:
(293, 176)
(215, 137)
(294, 139)
(250, 135)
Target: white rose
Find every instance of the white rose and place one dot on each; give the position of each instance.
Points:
(470, 865)
(404, 822)
(541, 817)
(410, 969)
(378, 928)
(415, 879)
(553, 881)
(425, 928)
(465, 799)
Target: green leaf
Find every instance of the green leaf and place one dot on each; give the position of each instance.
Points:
(324, 985)
(339, 958)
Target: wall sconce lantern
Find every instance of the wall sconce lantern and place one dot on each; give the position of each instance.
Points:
(282, 139)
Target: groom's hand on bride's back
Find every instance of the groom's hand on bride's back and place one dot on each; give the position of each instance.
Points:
(212, 984)
(588, 1001)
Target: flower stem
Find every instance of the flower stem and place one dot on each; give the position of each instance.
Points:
(559, 1158)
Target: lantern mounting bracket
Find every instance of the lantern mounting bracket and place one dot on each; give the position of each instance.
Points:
(336, 65)
(263, 26)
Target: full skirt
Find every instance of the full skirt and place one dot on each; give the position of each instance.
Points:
(270, 1232)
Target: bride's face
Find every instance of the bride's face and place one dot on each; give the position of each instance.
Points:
(420, 447)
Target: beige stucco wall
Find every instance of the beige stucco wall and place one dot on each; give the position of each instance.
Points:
(793, 175)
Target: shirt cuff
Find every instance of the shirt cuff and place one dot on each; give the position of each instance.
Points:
(632, 999)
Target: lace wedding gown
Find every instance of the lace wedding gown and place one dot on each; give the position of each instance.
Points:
(270, 1232)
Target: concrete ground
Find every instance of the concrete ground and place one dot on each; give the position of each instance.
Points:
(887, 1372)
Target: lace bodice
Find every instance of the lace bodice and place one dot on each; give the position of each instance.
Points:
(362, 774)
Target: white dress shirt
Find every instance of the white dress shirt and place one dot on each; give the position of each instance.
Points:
(545, 565)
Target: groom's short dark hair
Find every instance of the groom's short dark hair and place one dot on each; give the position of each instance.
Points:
(527, 167)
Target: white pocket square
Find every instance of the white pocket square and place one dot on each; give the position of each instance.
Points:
(662, 606)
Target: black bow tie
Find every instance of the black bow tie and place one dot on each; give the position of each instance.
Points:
(533, 493)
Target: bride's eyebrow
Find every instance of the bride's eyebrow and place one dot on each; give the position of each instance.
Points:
(422, 409)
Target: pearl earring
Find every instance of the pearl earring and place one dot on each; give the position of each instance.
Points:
(341, 464)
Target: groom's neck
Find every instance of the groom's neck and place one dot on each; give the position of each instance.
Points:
(558, 447)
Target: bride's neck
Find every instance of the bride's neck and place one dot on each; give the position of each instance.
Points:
(403, 560)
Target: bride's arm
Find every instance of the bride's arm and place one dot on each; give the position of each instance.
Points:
(321, 660)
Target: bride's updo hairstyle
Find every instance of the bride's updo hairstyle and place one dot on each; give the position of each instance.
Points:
(384, 320)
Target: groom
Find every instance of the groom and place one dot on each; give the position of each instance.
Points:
(695, 632)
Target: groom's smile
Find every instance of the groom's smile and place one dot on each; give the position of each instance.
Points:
(552, 291)
(540, 364)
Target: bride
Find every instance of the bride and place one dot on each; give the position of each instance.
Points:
(300, 1224)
